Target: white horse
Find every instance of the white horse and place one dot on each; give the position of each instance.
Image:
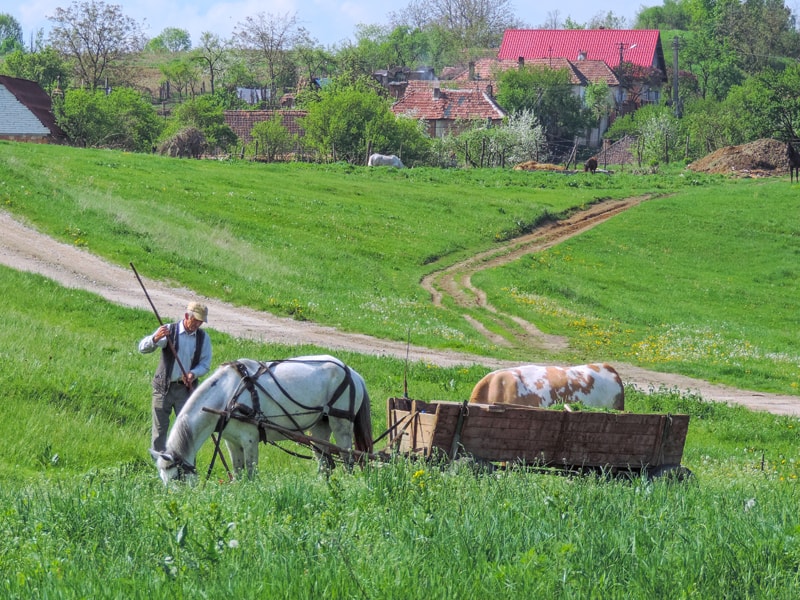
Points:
(597, 385)
(319, 394)
(384, 160)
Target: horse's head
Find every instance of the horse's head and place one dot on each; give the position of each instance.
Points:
(172, 467)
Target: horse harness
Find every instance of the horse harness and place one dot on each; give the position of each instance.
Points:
(250, 383)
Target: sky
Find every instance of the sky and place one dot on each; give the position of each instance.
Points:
(330, 22)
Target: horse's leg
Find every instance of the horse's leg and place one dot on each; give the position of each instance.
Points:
(343, 434)
(251, 457)
(237, 456)
(322, 430)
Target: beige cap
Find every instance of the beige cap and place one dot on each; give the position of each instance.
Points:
(198, 310)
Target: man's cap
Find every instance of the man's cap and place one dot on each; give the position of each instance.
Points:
(198, 310)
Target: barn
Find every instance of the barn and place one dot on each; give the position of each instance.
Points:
(26, 113)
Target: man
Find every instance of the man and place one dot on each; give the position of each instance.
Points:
(175, 379)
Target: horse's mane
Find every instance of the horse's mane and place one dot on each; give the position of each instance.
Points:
(180, 440)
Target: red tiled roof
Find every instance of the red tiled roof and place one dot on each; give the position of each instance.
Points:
(242, 121)
(641, 47)
(581, 72)
(421, 101)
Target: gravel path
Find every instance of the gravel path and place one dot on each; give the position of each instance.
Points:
(25, 249)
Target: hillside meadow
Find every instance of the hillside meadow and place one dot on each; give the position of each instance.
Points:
(708, 263)
(85, 515)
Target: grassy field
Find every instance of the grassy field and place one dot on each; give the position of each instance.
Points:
(84, 514)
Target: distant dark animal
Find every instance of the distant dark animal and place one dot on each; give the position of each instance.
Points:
(590, 165)
(383, 160)
(793, 156)
(596, 385)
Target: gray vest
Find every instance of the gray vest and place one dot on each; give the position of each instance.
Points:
(161, 380)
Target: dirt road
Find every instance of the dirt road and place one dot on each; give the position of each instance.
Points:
(25, 249)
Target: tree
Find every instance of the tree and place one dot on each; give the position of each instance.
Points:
(312, 58)
(351, 115)
(272, 138)
(183, 73)
(212, 52)
(607, 21)
(674, 14)
(10, 34)
(172, 40)
(123, 119)
(46, 67)
(474, 23)
(779, 103)
(271, 37)
(714, 64)
(548, 94)
(598, 101)
(95, 36)
(658, 132)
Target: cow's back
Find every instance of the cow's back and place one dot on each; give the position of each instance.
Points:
(596, 385)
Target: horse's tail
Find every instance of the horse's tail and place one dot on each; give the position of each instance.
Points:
(362, 425)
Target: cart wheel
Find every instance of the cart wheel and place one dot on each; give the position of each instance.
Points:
(670, 473)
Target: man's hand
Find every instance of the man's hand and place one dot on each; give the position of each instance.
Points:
(161, 333)
(189, 379)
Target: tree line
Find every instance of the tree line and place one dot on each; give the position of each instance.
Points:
(738, 80)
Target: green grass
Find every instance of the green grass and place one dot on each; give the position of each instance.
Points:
(701, 283)
(340, 245)
(85, 515)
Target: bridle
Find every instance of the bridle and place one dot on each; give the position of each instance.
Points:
(184, 468)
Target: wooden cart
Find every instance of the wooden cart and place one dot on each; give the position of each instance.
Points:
(585, 440)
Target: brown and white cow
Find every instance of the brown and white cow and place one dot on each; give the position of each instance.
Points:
(597, 385)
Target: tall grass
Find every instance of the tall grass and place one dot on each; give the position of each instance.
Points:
(85, 515)
(401, 530)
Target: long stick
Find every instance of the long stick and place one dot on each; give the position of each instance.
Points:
(177, 359)
(160, 322)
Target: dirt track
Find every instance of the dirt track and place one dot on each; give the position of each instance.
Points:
(25, 249)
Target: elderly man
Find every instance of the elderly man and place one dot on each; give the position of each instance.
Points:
(175, 379)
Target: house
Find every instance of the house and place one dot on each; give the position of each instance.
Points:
(444, 110)
(26, 113)
(582, 72)
(640, 47)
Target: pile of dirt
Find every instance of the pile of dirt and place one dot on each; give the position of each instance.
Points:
(762, 158)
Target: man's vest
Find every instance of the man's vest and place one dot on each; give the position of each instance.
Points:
(161, 380)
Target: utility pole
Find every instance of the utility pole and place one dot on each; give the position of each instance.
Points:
(676, 103)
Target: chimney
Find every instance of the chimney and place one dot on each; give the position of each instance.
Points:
(521, 61)
(472, 70)
(581, 55)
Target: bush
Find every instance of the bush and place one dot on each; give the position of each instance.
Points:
(187, 143)
(122, 120)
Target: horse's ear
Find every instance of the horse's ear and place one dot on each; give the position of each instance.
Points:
(162, 455)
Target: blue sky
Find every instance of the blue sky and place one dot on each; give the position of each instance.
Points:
(329, 21)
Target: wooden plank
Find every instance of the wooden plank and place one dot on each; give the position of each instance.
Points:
(507, 433)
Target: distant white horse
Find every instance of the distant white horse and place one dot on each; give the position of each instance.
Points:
(319, 394)
(384, 160)
(597, 385)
